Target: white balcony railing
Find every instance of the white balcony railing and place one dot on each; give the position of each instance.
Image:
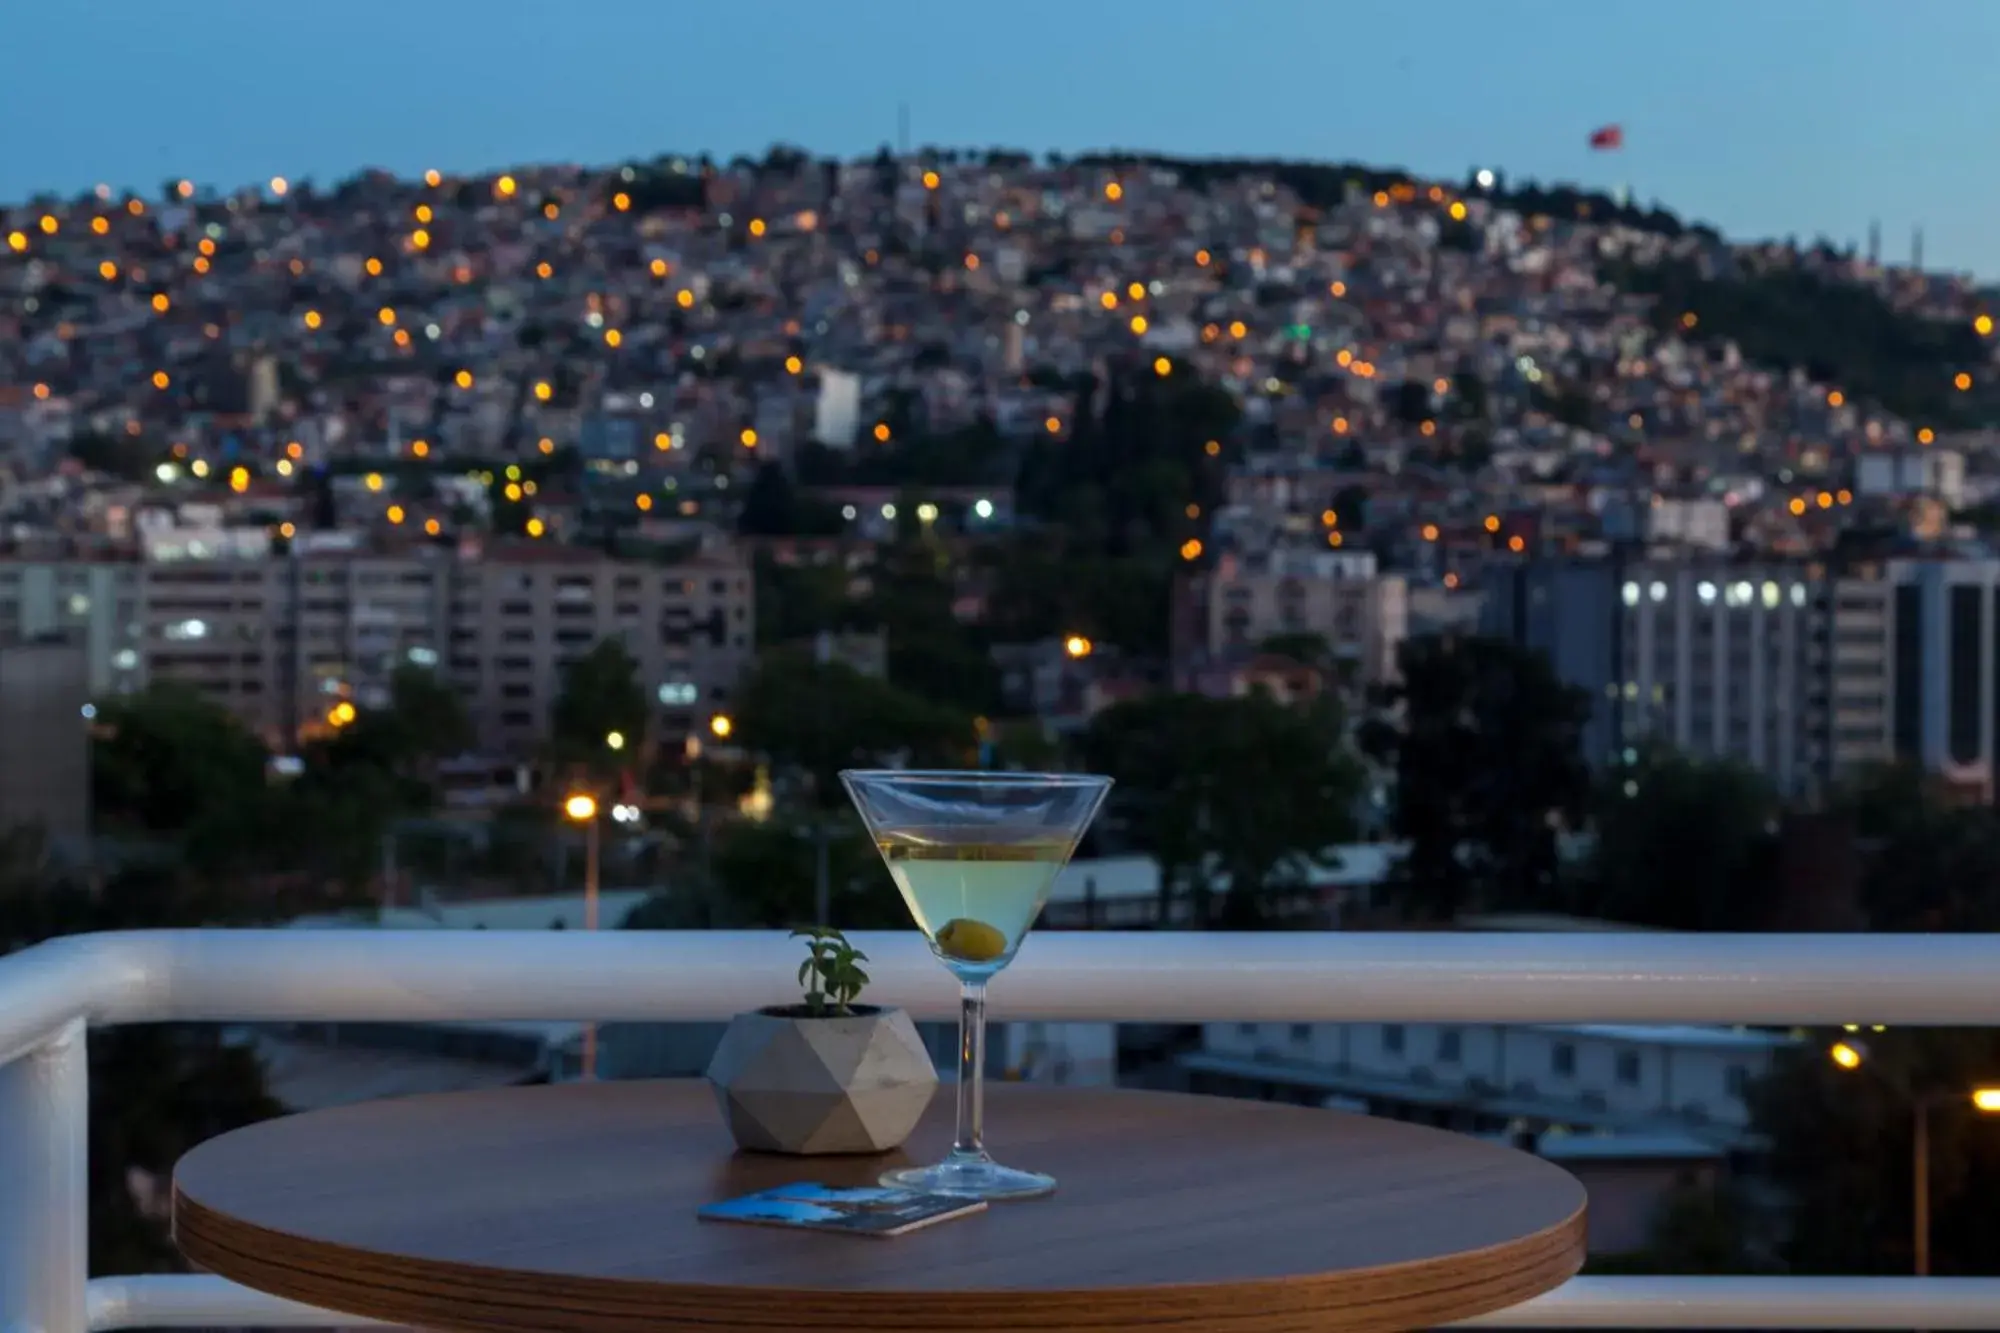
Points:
(50, 994)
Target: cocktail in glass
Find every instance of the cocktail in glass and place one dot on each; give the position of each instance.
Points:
(974, 855)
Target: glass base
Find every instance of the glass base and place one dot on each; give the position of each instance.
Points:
(972, 1178)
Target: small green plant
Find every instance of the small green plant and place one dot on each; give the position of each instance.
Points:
(831, 972)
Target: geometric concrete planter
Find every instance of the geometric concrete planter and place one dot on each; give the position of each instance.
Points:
(850, 1084)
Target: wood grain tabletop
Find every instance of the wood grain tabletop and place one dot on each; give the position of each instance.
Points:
(572, 1207)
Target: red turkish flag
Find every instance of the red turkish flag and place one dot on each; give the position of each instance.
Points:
(1610, 136)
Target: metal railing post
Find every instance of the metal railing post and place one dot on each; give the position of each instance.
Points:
(44, 1186)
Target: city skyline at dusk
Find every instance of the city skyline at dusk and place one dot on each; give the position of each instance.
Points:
(1755, 120)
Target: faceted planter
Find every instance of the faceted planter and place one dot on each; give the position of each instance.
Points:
(790, 1083)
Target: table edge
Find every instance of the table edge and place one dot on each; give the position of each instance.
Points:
(451, 1295)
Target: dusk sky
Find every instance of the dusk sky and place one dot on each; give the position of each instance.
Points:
(1767, 117)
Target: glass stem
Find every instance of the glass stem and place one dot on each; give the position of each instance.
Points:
(968, 1140)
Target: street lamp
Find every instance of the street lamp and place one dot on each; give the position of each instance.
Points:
(614, 740)
(581, 808)
(1852, 1055)
(720, 726)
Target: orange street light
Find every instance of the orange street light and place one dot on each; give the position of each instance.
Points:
(1985, 1098)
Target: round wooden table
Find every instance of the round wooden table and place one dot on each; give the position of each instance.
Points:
(572, 1207)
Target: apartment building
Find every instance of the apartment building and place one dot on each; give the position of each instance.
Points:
(1632, 1111)
(1725, 661)
(1591, 1077)
(1567, 610)
(1714, 659)
(1904, 474)
(93, 606)
(1803, 674)
(1362, 614)
(515, 621)
(281, 640)
(1913, 667)
(1861, 610)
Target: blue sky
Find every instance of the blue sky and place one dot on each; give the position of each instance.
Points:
(1768, 117)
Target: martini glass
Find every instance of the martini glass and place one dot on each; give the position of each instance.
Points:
(974, 855)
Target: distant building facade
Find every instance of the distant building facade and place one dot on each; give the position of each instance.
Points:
(1935, 682)
(45, 740)
(283, 639)
(1804, 674)
(1719, 660)
(1340, 596)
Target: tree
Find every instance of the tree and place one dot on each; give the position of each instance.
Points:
(375, 770)
(1302, 646)
(932, 654)
(773, 507)
(1350, 502)
(1152, 437)
(770, 506)
(1841, 1151)
(1469, 394)
(167, 759)
(1928, 864)
(1148, 747)
(1485, 742)
(601, 697)
(120, 455)
(1244, 794)
(765, 877)
(1044, 588)
(1698, 1229)
(1840, 1139)
(1787, 316)
(1411, 402)
(176, 771)
(425, 721)
(174, 767)
(816, 718)
(1684, 844)
(428, 714)
(796, 602)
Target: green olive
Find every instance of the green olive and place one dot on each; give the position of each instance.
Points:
(970, 941)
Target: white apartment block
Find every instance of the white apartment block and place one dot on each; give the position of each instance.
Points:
(1723, 661)
(1591, 1077)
